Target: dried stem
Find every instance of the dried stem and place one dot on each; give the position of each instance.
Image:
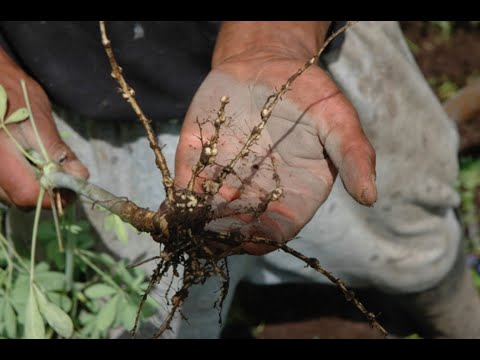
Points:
(142, 219)
(315, 264)
(129, 95)
(349, 294)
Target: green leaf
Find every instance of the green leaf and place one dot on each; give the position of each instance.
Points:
(2, 311)
(124, 273)
(139, 279)
(106, 259)
(121, 230)
(113, 221)
(3, 103)
(127, 314)
(85, 241)
(55, 317)
(93, 306)
(86, 317)
(107, 314)
(150, 308)
(18, 116)
(46, 231)
(34, 326)
(19, 296)
(3, 276)
(51, 280)
(98, 291)
(54, 255)
(41, 267)
(73, 228)
(88, 329)
(61, 300)
(10, 320)
(447, 89)
(108, 222)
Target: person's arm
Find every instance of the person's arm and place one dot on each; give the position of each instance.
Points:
(293, 39)
(314, 131)
(18, 185)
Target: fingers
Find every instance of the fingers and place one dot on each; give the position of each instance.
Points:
(17, 178)
(18, 182)
(62, 154)
(340, 132)
(348, 147)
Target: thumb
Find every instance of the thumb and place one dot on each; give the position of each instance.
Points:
(61, 153)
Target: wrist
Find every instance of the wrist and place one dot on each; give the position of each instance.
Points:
(253, 39)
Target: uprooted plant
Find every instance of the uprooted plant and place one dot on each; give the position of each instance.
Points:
(181, 225)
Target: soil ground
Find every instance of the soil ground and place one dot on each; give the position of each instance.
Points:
(449, 59)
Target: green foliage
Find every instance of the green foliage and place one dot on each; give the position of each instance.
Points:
(18, 116)
(444, 88)
(469, 184)
(447, 89)
(101, 293)
(54, 315)
(72, 292)
(446, 28)
(34, 326)
(113, 222)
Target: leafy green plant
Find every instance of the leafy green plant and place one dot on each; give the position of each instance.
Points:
(97, 294)
(74, 291)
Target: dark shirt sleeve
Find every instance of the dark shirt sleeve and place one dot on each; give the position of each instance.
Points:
(165, 62)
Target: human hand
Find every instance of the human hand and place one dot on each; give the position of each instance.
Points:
(313, 133)
(18, 184)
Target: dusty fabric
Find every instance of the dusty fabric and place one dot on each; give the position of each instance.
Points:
(407, 242)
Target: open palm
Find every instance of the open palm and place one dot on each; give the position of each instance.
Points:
(314, 132)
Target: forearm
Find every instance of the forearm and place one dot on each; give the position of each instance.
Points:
(294, 39)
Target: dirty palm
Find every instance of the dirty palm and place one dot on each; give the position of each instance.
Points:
(213, 209)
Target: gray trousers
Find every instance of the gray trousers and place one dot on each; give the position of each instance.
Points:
(406, 243)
